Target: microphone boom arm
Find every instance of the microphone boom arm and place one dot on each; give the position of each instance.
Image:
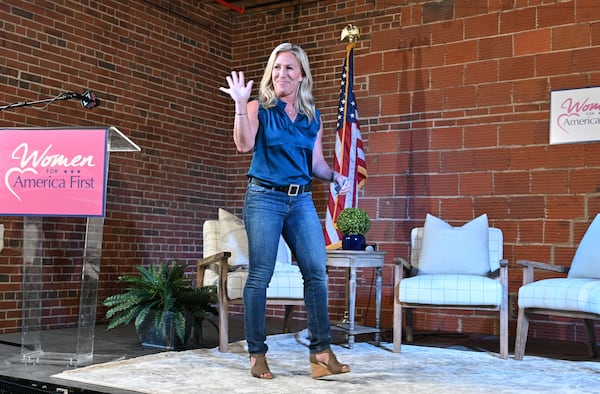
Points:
(88, 100)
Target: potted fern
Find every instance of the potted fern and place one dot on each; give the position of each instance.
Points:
(166, 310)
(353, 223)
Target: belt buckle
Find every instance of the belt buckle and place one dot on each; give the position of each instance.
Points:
(293, 190)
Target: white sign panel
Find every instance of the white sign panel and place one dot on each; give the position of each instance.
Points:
(575, 115)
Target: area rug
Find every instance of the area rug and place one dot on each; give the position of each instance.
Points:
(417, 369)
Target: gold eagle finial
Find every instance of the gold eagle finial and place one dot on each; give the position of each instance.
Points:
(351, 32)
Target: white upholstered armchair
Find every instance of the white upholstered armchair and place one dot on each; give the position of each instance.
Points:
(225, 251)
(452, 268)
(576, 295)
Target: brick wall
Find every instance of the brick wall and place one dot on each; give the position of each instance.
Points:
(153, 65)
(454, 109)
(453, 98)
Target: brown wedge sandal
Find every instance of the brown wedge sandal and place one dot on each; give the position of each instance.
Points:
(260, 369)
(333, 367)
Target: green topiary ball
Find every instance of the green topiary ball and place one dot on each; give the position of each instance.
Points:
(352, 221)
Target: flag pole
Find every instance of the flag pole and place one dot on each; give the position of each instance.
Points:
(352, 33)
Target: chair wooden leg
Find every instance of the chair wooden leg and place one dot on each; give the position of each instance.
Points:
(397, 334)
(223, 309)
(522, 329)
(504, 336)
(504, 313)
(287, 319)
(409, 326)
(591, 337)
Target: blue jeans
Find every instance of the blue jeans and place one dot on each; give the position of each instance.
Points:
(267, 215)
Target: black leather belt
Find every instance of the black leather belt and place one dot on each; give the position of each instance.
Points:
(291, 190)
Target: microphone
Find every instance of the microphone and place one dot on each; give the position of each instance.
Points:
(88, 99)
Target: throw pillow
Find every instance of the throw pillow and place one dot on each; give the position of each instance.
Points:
(235, 240)
(455, 250)
(586, 263)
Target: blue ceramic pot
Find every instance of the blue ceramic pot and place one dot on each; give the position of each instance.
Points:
(353, 242)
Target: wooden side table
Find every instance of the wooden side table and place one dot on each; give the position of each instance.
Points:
(351, 260)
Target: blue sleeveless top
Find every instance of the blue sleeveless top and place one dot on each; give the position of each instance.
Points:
(283, 149)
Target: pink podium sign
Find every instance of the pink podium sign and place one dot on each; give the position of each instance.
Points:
(53, 172)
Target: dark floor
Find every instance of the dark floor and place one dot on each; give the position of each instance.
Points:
(122, 343)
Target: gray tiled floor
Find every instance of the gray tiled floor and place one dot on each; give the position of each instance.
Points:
(108, 346)
(116, 344)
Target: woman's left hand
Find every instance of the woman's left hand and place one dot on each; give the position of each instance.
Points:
(342, 183)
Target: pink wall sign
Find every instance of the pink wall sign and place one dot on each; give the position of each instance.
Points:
(53, 172)
(575, 115)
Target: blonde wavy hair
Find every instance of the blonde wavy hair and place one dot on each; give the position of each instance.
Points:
(304, 102)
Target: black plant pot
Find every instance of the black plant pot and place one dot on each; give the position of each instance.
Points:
(353, 242)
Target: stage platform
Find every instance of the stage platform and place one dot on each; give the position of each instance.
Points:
(123, 343)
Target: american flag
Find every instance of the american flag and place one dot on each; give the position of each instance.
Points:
(349, 159)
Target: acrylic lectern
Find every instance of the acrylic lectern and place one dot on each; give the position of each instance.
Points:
(72, 168)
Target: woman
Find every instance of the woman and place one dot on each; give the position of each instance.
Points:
(283, 129)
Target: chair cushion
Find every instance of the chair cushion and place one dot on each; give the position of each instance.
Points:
(582, 295)
(229, 234)
(586, 263)
(455, 250)
(211, 238)
(286, 282)
(233, 238)
(451, 289)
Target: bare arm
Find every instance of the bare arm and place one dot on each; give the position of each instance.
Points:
(245, 123)
(245, 127)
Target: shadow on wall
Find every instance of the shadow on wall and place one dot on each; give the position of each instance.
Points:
(416, 186)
